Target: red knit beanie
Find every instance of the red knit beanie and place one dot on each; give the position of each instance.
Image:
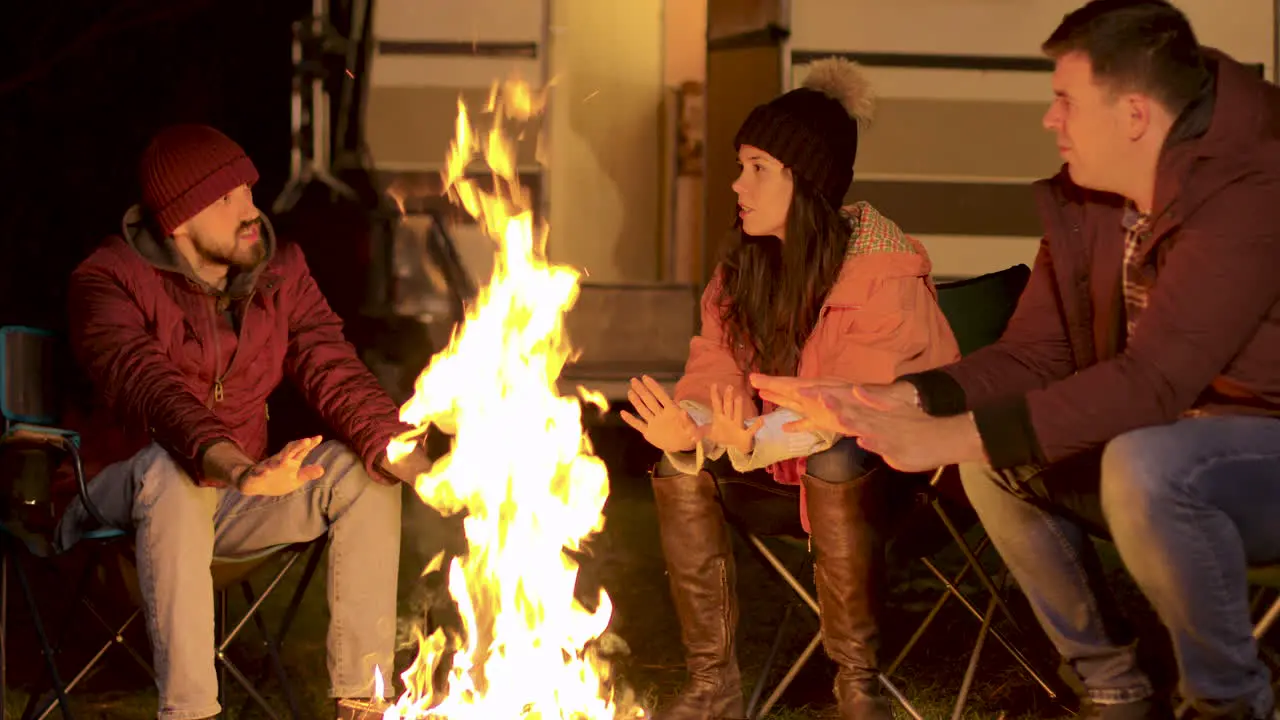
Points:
(186, 168)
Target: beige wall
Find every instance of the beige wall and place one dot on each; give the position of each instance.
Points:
(606, 61)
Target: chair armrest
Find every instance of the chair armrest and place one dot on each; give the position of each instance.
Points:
(68, 442)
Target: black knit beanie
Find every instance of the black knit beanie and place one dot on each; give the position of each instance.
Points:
(814, 129)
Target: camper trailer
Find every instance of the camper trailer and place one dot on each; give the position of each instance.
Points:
(634, 159)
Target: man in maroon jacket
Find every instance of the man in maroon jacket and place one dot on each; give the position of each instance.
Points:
(185, 322)
(1136, 390)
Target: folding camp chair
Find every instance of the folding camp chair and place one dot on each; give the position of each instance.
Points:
(29, 409)
(764, 510)
(230, 573)
(978, 310)
(28, 427)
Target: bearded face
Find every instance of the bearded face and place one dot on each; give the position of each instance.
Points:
(228, 233)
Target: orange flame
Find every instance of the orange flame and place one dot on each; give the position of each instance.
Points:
(520, 466)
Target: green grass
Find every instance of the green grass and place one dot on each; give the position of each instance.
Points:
(627, 561)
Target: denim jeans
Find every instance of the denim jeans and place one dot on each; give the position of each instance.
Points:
(180, 527)
(1190, 505)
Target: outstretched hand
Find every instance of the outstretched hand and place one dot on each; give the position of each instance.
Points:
(283, 472)
(729, 428)
(824, 403)
(663, 423)
(816, 400)
(886, 420)
(411, 466)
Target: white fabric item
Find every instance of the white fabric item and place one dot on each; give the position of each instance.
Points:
(772, 443)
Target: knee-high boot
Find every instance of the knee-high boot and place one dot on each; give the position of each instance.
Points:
(846, 524)
(699, 557)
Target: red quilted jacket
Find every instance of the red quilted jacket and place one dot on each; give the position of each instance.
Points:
(175, 361)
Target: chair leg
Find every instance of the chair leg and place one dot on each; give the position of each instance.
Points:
(78, 593)
(966, 683)
(115, 635)
(295, 603)
(1000, 638)
(933, 612)
(249, 688)
(972, 559)
(273, 654)
(901, 698)
(291, 610)
(794, 670)
(803, 593)
(4, 631)
(1267, 620)
(226, 666)
(220, 631)
(758, 690)
(46, 649)
(773, 561)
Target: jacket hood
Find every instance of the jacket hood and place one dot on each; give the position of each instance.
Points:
(163, 254)
(878, 250)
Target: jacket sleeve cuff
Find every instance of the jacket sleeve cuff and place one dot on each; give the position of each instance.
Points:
(371, 447)
(189, 455)
(1007, 434)
(940, 394)
(377, 468)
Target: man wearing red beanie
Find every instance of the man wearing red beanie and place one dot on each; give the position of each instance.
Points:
(185, 323)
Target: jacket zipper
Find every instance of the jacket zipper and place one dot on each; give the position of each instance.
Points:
(219, 374)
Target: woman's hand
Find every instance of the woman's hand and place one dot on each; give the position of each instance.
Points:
(663, 423)
(728, 427)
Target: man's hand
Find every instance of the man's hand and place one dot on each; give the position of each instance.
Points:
(807, 397)
(885, 419)
(728, 426)
(281, 473)
(812, 398)
(663, 423)
(410, 467)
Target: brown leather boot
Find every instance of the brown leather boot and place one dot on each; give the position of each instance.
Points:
(846, 522)
(699, 556)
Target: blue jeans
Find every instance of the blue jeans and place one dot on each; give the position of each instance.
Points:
(1190, 506)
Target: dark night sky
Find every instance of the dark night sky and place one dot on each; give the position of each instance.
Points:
(84, 85)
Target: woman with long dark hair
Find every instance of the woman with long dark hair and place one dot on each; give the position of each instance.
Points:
(811, 289)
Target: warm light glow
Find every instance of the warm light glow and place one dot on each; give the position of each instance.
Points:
(520, 466)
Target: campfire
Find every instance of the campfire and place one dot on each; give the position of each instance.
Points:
(521, 468)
